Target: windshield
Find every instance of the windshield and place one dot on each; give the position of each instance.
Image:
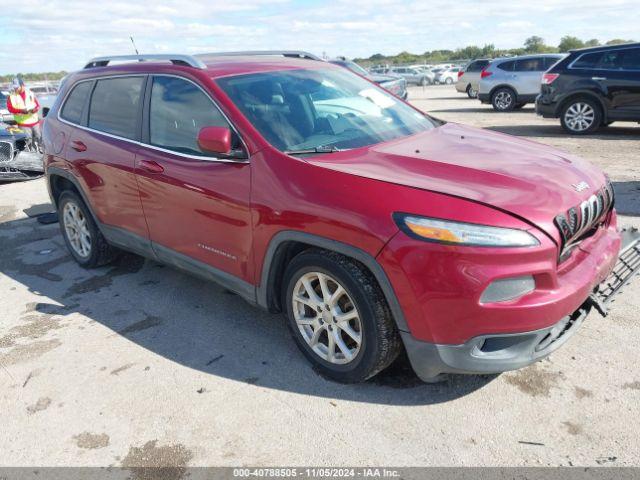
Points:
(321, 109)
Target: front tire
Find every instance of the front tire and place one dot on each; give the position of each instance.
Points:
(503, 100)
(581, 116)
(84, 240)
(338, 316)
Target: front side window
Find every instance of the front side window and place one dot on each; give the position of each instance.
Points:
(114, 106)
(72, 109)
(325, 108)
(177, 112)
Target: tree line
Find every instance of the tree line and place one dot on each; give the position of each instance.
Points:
(532, 44)
(33, 77)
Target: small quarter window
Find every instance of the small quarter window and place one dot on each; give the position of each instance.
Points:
(73, 107)
(507, 66)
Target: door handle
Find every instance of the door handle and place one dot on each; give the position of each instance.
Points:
(151, 166)
(78, 146)
(598, 79)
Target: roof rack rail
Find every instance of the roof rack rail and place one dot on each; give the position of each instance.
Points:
(273, 53)
(185, 60)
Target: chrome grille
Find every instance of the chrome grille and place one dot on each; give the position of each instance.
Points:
(579, 220)
(6, 151)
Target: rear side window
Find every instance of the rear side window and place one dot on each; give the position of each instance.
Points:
(477, 66)
(610, 60)
(72, 109)
(631, 59)
(530, 65)
(550, 62)
(178, 110)
(114, 106)
(507, 66)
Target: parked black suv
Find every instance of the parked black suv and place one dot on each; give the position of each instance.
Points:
(592, 88)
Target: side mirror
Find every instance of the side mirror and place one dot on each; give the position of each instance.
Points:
(215, 140)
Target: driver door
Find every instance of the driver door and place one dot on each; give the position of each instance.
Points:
(196, 205)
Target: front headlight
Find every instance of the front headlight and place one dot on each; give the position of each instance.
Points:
(460, 233)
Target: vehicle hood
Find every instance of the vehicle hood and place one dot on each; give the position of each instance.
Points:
(11, 131)
(527, 179)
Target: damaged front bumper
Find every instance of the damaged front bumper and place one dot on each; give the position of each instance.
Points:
(21, 165)
(502, 352)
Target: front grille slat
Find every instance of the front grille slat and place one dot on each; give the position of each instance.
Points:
(6, 151)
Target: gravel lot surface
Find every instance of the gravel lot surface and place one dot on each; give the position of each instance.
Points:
(138, 364)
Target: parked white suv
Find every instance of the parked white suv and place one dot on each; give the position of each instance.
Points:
(511, 83)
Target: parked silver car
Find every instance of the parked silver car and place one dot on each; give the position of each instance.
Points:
(468, 81)
(511, 83)
(414, 76)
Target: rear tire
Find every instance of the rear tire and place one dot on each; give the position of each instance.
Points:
(471, 92)
(581, 116)
(449, 81)
(84, 240)
(339, 317)
(503, 100)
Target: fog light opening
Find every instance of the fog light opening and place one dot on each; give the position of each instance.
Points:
(507, 289)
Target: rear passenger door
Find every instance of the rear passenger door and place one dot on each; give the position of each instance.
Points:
(102, 145)
(528, 73)
(196, 205)
(628, 100)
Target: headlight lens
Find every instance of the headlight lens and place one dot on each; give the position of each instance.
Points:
(459, 233)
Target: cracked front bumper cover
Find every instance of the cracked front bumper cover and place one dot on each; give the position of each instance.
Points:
(24, 166)
(487, 354)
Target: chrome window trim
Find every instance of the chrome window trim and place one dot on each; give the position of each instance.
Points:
(571, 67)
(146, 145)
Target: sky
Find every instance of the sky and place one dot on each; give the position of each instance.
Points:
(52, 35)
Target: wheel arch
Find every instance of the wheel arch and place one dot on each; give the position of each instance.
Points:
(59, 180)
(583, 94)
(503, 85)
(287, 244)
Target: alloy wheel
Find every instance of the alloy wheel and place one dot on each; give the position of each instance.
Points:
(580, 116)
(76, 229)
(327, 318)
(503, 100)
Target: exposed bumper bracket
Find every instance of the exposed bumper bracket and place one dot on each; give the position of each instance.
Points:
(627, 266)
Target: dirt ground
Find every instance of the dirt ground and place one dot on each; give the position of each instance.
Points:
(137, 364)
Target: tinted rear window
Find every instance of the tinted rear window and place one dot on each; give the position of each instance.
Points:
(631, 59)
(114, 106)
(550, 62)
(72, 109)
(610, 60)
(477, 66)
(530, 65)
(507, 66)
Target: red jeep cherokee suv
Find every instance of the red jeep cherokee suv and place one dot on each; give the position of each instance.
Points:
(307, 189)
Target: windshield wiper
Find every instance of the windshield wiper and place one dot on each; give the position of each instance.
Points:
(314, 150)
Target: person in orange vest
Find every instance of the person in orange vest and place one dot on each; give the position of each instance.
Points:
(24, 106)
